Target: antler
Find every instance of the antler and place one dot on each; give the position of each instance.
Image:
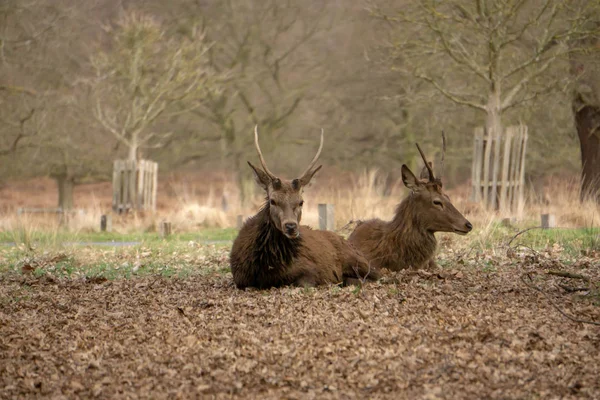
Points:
(308, 172)
(262, 159)
(427, 165)
(443, 154)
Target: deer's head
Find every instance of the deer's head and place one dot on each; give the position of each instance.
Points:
(284, 197)
(435, 211)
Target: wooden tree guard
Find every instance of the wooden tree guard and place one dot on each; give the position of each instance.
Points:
(498, 174)
(326, 217)
(134, 185)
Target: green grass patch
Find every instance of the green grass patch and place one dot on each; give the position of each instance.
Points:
(173, 257)
(32, 238)
(573, 241)
(61, 254)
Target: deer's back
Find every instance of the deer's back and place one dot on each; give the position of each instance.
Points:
(388, 248)
(374, 239)
(367, 236)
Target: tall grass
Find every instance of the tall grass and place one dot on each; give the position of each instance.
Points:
(360, 196)
(27, 230)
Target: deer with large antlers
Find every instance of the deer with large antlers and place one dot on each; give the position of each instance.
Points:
(272, 249)
(408, 240)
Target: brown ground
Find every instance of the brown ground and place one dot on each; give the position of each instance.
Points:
(463, 333)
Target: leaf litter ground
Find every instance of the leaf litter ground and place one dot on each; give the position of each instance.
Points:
(472, 330)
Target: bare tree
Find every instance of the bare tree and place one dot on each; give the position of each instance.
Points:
(585, 68)
(26, 28)
(261, 46)
(491, 56)
(44, 122)
(260, 43)
(143, 75)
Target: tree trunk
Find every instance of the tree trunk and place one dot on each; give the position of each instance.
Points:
(587, 122)
(494, 114)
(132, 155)
(65, 191)
(586, 111)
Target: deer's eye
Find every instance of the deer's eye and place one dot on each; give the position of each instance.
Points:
(301, 203)
(273, 203)
(437, 203)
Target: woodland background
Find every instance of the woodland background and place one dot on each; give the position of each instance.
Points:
(184, 83)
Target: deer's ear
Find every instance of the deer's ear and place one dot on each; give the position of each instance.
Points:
(305, 179)
(409, 179)
(260, 176)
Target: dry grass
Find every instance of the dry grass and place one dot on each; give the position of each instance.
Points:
(195, 201)
(563, 201)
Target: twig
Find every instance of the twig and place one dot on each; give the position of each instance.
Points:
(186, 319)
(362, 279)
(534, 227)
(464, 253)
(347, 225)
(532, 286)
(526, 247)
(573, 289)
(571, 275)
(520, 233)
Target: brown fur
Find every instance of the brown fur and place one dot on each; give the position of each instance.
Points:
(262, 256)
(273, 249)
(408, 240)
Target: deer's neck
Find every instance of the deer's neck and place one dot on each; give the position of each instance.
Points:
(272, 249)
(407, 234)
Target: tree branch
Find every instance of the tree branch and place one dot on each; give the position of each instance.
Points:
(557, 308)
(21, 135)
(462, 57)
(18, 89)
(453, 96)
(507, 102)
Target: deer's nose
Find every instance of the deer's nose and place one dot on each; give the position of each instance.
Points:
(469, 226)
(291, 226)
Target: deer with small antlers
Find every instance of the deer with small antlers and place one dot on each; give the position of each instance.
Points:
(408, 239)
(272, 249)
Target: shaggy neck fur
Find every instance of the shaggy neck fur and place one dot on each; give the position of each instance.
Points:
(407, 236)
(272, 248)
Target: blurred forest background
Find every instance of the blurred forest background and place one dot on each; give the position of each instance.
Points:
(184, 82)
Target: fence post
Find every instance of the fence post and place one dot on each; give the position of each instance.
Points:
(548, 221)
(477, 165)
(506, 184)
(116, 185)
(165, 229)
(326, 217)
(508, 222)
(154, 185)
(523, 149)
(106, 223)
